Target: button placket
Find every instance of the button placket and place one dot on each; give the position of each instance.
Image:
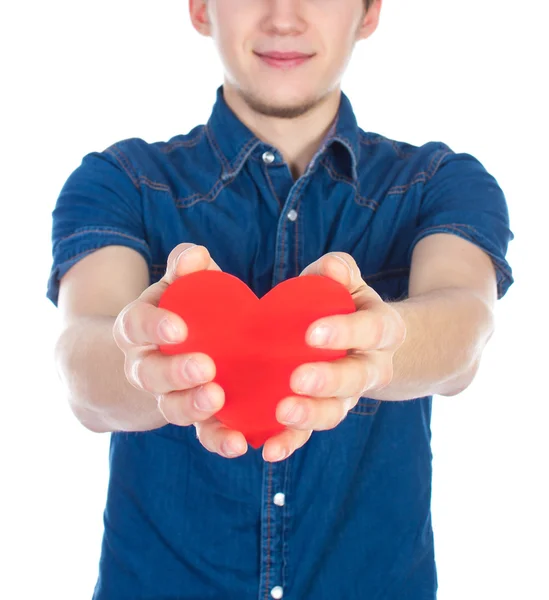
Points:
(271, 581)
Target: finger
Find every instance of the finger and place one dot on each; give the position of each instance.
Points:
(219, 439)
(160, 374)
(282, 445)
(142, 324)
(343, 268)
(190, 406)
(377, 328)
(182, 260)
(351, 375)
(313, 414)
(188, 258)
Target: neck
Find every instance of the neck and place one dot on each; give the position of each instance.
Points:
(297, 139)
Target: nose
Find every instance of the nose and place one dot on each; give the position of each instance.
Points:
(284, 17)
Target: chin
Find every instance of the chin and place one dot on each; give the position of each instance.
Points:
(290, 104)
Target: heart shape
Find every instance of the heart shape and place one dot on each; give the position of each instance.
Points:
(255, 343)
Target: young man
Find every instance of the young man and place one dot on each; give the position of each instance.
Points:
(281, 181)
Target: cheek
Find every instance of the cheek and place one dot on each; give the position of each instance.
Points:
(227, 53)
(234, 51)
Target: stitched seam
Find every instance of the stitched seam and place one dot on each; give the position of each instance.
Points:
(189, 201)
(269, 489)
(456, 227)
(422, 176)
(212, 195)
(269, 180)
(439, 157)
(351, 145)
(183, 143)
(284, 528)
(388, 273)
(367, 141)
(244, 150)
(216, 149)
(282, 249)
(155, 185)
(395, 145)
(124, 162)
(355, 154)
(79, 254)
(367, 202)
(296, 245)
(365, 406)
(105, 230)
(335, 175)
(496, 261)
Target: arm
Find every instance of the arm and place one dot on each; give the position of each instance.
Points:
(89, 362)
(448, 316)
(429, 344)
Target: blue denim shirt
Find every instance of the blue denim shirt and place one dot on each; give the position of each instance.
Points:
(348, 515)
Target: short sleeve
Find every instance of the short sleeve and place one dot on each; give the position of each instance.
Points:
(99, 205)
(462, 198)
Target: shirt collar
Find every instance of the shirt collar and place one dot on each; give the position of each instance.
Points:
(234, 143)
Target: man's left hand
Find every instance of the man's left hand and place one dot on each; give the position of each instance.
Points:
(326, 391)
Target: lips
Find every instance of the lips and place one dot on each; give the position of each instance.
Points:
(284, 55)
(284, 60)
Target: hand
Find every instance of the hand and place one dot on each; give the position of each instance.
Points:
(326, 391)
(182, 384)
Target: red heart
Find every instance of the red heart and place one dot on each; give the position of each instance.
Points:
(255, 344)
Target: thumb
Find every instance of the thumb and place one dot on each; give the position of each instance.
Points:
(188, 258)
(331, 265)
(183, 259)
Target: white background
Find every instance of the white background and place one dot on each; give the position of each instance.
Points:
(79, 76)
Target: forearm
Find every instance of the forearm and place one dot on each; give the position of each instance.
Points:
(446, 332)
(91, 366)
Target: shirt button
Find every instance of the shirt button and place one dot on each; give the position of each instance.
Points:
(277, 592)
(268, 157)
(292, 215)
(279, 499)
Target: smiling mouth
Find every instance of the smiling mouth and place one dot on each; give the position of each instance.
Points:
(280, 60)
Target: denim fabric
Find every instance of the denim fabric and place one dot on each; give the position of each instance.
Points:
(348, 515)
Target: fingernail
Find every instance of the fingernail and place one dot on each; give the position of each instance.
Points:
(309, 383)
(295, 414)
(169, 331)
(193, 372)
(176, 261)
(280, 454)
(321, 335)
(343, 262)
(202, 400)
(231, 449)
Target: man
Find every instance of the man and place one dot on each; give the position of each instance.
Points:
(280, 182)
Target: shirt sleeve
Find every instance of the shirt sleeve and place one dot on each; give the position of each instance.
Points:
(462, 198)
(99, 205)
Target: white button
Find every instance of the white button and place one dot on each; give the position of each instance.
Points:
(279, 499)
(292, 215)
(277, 592)
(268, 157)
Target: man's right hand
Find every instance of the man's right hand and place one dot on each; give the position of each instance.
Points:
(182, 384)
